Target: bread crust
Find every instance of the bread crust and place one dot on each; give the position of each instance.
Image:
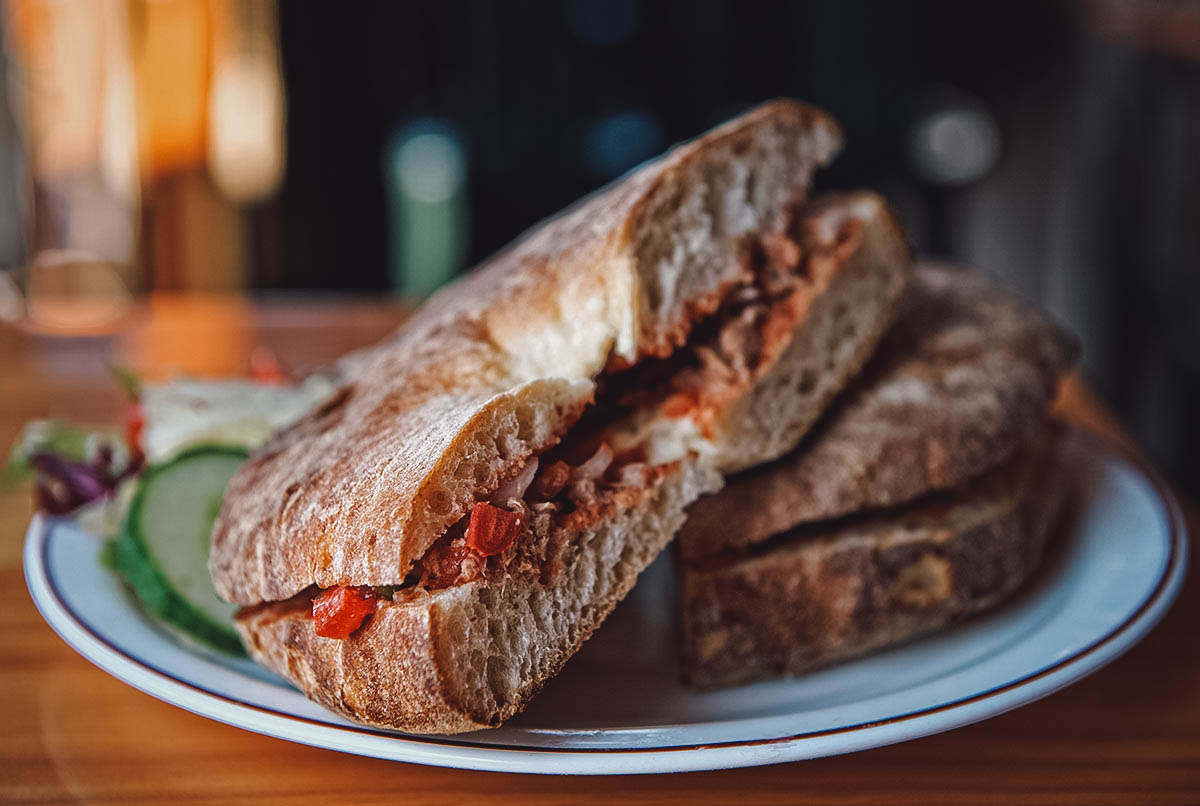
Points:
(508, 355)
(410, 667)
(364, 678)
(829, 593)
(851, 304)
(493, 369)
(961, 381)
(402, 669)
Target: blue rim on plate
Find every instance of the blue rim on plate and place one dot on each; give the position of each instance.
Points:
(477, 751)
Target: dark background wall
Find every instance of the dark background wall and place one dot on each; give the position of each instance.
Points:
(1067, 162)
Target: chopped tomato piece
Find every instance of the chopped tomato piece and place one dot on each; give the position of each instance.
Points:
(492, 529)
(135, 425)
(340, 611)
(265, 367)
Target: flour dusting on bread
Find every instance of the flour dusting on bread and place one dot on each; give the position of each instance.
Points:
(495, 475)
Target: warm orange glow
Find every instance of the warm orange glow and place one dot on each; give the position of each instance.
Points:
(201, 335)
(148, 122)
(246, 101)
(245, 145)
(172, 50)
(62, 55)
(118, 145)
(73, 92)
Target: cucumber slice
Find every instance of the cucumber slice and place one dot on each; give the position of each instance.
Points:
(162, 551)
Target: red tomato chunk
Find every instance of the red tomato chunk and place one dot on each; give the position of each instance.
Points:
(492, 529)
(338, 612)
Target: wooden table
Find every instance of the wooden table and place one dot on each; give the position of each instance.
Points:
(1129, 733)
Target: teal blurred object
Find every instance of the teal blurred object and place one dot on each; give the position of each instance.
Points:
(428, 226)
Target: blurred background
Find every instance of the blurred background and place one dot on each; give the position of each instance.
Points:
(229, 146)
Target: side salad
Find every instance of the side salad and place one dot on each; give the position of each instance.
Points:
(153, 488)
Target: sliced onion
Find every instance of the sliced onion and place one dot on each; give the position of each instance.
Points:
(64, 486)
(594, 468)
(516, 487)
(636, 474)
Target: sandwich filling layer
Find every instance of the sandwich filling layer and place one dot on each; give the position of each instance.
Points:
(643, 421)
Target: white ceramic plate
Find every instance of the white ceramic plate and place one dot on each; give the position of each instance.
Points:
(617, 707)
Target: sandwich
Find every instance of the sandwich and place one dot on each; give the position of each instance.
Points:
(925, 495)
(428, 547)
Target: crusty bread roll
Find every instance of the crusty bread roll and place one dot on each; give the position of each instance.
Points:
(959, 384)
(691, 320)
(828, 592)
(472, 655)
(876, 530)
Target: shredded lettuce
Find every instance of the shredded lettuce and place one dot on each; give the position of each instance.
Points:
(127, 378)
(55, 437)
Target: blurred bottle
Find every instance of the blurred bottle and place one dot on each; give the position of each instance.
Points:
(426, 170)
(210, 122)
(147, 127)
(68, 76)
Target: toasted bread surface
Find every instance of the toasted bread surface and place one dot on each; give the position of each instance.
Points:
(824, 593)
(498, 366)
(961, 381)
(852, 301)
(470, 656)
(473, 655)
